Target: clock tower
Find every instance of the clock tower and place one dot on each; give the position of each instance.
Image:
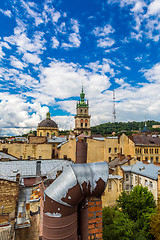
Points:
(82, 118)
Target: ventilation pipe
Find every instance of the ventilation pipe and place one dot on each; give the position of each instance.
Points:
(62, 197)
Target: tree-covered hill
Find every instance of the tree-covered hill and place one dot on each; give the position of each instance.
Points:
(127, 127)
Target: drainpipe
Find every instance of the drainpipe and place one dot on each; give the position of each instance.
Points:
(62, 197)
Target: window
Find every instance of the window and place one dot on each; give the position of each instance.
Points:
(157, 150)
(41, 134)
(151, 159)
(150, 151)
(81, 110)
(146, 183)
(47, 134)
(115, 150)
(28, 157)
(20, 157)
(140, 180)
(81, 124)
(85, 124)
(109, 150)
(40, 157)
(151, 184)
(109, 159)
(140, 150)
(85, 110)
(147, 151)
(157, 158)
(127, 177)
(109, 186)
(144, 151)
(146, 158)
(136, 180)
(127, 187)
(131, 177)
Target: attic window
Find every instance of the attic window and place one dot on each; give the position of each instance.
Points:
(151, 141)
(15, 170)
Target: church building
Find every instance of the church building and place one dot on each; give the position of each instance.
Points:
(82, 118)
(47, 127)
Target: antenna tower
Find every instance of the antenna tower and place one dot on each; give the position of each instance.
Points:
(114, 107)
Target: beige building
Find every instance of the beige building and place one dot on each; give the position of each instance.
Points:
(143, 147)
(99, 149)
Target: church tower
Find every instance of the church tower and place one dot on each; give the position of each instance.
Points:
(82, 118)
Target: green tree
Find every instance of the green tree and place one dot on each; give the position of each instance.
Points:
(131, 220)
(117, 225)
(155, 222)
(138, 202)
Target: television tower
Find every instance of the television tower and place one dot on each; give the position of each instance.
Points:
(114, 107)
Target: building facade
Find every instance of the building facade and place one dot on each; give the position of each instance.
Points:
(143, 174)
(82, 118)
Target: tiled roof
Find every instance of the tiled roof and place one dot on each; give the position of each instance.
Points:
(145, 140)
(146, 170)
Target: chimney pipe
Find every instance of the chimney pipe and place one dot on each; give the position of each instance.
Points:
(62, 197)
(81, 151)
(38, 171)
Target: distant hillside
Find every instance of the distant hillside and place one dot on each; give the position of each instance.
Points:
(119, 127)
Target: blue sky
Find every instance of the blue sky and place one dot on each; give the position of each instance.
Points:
(48, 49)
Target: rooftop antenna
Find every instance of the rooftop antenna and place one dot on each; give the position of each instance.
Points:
(114, 107)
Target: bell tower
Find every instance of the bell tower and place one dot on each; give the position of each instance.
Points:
(82, 118)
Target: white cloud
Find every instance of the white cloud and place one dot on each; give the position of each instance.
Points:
(74, 41)
(103, 31)
(17, 63)
(6, 13)
(154, 7)
(103, 35)
(31, 58)
(55, 42)
(153, 74)
(105, 42)
(31, 12)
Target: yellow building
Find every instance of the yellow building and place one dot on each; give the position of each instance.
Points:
(143, 147)
(99, 149)
(47, 127)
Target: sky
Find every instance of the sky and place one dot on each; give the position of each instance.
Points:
(49, 48)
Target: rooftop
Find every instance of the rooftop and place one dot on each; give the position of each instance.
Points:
(27, 168)
(146, 170)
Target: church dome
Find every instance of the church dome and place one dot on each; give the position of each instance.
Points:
(48, 122)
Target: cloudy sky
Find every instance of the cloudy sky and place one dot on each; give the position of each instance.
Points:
(49, 48)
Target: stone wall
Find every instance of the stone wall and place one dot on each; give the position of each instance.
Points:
(8, 195)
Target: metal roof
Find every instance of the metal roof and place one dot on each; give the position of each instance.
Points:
(27, 168)
(146, 170)
(56, 140)
(111, 176)
(7, 156)
(98, 138)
